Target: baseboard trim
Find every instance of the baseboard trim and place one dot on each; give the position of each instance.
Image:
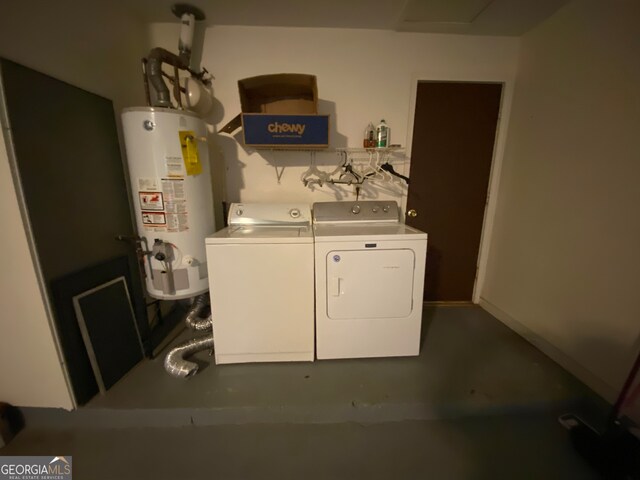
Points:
(587, 377)
(449, 304)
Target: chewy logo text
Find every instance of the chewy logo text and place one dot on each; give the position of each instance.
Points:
(286, 128)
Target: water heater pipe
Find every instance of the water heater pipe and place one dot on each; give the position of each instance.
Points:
(156, 58)
(187, 27)
(188, 15)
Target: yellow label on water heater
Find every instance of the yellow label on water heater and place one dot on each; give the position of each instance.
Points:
(190, 152)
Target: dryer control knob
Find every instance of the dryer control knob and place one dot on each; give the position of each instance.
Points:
(374, 209)
(239, 212)
(385, 209)
(355, 209)
(294, 212)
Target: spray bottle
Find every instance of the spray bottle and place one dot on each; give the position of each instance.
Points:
(369, 136)
(383, 135)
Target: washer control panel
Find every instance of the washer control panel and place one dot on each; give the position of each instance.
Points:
(269, 214)
(364, 211)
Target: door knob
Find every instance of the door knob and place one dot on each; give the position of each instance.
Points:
(412, 213)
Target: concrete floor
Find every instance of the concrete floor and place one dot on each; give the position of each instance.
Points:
(479, 402)
(520, 447)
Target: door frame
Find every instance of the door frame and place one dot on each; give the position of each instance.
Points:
(479, 75)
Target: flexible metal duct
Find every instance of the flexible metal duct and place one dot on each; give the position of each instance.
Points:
(175, 363)
(177, 366)
(192, 318)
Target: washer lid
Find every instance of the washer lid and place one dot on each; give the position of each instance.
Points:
(261, 234)
(344, 232)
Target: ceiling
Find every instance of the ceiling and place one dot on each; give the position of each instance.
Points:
(469, 17)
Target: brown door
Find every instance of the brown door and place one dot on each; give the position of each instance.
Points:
(453, 138)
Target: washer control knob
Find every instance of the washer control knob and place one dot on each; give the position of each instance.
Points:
(239, 212)
(355, 209)
(375, 209)
(385, 209)
(294, 212)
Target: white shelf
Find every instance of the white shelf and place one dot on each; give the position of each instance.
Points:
(378, 150)
(378, 155)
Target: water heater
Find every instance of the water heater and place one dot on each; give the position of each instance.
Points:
(172, 195)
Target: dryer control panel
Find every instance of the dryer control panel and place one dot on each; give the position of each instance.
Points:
(385, 211)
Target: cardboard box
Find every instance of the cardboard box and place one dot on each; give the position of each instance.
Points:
(280, 111)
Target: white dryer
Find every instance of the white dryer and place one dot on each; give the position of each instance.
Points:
(261, 284)
(369, 270)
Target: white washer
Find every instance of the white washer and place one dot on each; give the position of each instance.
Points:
(261, 284)
(369, 271)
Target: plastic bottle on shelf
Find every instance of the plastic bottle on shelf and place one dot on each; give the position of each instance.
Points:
(369, 136)
(383, 135)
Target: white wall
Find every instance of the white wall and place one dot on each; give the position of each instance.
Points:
(363, 76)
(96, 47)
(30, 372)
(565, 257)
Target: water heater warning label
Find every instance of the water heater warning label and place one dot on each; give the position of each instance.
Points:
(152, 204)
(154, 219)
(148, 184)
(175, 204)
(175, 166)
(163, 204)
(189, 146)
(151, 201)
